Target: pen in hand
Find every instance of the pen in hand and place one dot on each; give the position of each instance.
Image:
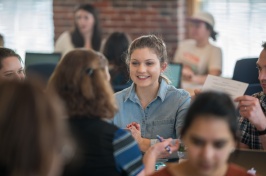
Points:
(167, 148)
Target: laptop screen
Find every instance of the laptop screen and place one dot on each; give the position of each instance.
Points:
(174, 74)
(40, 58)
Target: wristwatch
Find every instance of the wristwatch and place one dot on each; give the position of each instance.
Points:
(261, 132)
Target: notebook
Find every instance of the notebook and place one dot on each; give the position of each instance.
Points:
(250, 159)
(40, 58)
(174, 74)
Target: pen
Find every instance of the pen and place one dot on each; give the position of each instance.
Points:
(167, 148)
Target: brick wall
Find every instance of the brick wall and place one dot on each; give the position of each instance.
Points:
(135, 17)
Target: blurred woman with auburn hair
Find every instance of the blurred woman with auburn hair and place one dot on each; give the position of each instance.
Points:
(82, 81)
(32, 133)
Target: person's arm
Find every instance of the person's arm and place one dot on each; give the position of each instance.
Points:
(127, 155)
(154, 152)
(250, 108)
(144, 143)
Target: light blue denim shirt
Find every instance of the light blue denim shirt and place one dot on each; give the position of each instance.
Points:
(164, 116)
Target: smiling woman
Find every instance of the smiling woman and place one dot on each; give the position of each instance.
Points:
(10, 65)
(151, 106)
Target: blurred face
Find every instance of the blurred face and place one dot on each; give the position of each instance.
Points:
(209, 143)
(12, 69)
(198, 30)
(84, 21)
(261, 64)
(145, 68)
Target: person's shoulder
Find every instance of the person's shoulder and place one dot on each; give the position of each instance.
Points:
(215, 48)
(64, 35)
(121, 95)
(187, 42)
(234, 169)
(177, 92)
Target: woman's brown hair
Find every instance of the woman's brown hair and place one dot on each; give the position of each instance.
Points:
(31, 129)
(81, 81)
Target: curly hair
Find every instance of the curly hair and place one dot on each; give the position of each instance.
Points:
(80, 80)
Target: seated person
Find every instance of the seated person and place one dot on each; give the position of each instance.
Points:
(158, 107)
(10, 65)
(210, 135)
(115, 49)
(198, 55)
(33, 135)
(86, 32)
(253, 110)
(82, 81)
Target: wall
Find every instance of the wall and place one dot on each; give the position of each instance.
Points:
(136, 17)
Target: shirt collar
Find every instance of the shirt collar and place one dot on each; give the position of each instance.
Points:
(131, 93)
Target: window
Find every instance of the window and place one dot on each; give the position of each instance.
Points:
(241, 28)
(27, 25)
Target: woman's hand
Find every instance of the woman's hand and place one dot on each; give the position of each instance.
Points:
(135, 130)
(157, 151)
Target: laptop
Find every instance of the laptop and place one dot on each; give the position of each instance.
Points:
(250, 159)
(174, 74)
(41, 58)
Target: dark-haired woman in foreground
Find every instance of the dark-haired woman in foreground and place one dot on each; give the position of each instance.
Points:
(210, 136)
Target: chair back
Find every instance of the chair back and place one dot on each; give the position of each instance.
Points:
(253, 88)
(246, 71)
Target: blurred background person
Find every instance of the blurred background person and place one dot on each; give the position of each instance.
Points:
(85, 34)
(115, 49)
(33, 135)
(10, 65)
(210, 135)
(2, 41)
(198, 55)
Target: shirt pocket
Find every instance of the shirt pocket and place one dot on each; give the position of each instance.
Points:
(165, 128)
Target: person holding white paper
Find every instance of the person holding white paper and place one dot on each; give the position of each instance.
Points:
(253, 110)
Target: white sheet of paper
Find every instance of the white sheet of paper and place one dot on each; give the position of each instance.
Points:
(231, 87)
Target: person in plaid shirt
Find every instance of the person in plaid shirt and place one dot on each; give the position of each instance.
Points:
(253, 110)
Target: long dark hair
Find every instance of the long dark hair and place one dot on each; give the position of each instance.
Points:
(76, 37)
(115, 50)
